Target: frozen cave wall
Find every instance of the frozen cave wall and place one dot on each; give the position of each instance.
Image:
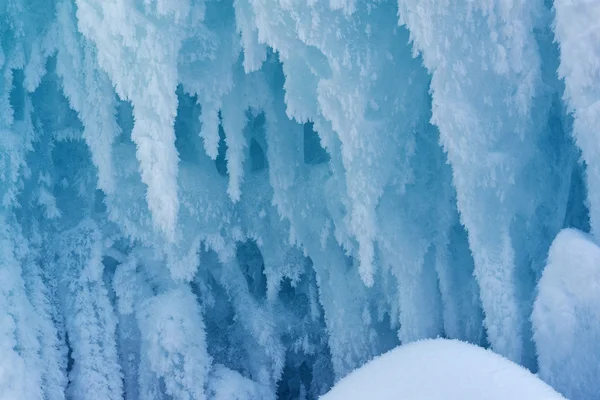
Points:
(248, 199)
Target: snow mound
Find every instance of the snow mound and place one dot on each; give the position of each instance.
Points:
(566, 316)
(441, 369)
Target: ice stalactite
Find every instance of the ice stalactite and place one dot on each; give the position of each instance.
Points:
(242, 199)
(492, 104)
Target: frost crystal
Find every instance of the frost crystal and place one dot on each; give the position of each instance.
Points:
(250, 199)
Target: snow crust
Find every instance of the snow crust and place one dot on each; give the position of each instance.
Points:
(441, 369)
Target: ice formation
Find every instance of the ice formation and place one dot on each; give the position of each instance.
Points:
(249, 199)
(566, 313)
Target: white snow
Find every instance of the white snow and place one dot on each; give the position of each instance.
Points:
(441, 369)
(566, 316)
(250, 199)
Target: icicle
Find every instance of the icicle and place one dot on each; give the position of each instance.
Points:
(89, 316)
(52, 349)
(491, 103)
(255, 53)
(234, 120)
(21, 374)
(124, 35)
(174, 341)
(577, 36)
(90, 93)
(257, 322)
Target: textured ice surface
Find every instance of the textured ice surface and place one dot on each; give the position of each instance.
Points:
(249, 199)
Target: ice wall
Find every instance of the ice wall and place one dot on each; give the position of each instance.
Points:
(248, 199)
(565, 320)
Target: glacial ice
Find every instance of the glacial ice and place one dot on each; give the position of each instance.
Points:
(250, 199)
